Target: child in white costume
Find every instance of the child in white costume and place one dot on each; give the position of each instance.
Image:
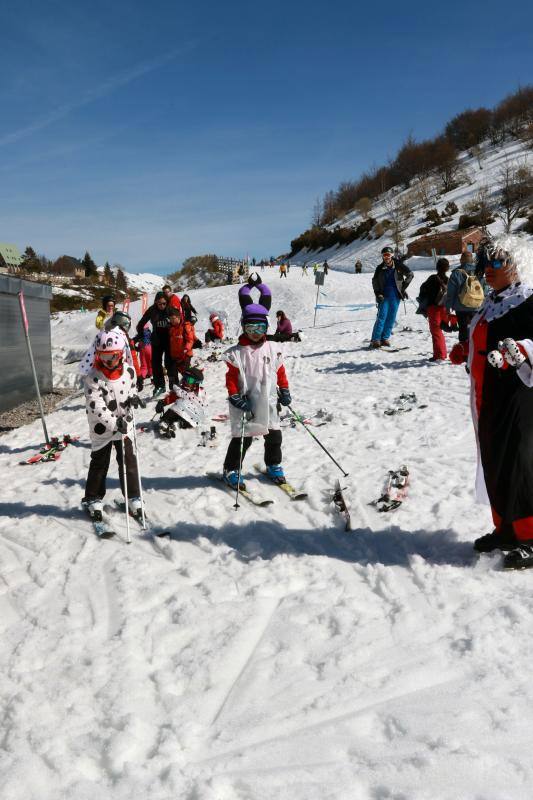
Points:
(109, 386)
(256, 381)
(187, 404)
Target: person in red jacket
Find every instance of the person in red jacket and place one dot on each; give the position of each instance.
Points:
(216, 333)
(181, 340)
(172, 299)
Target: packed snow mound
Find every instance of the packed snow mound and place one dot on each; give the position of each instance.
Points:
(267, 654)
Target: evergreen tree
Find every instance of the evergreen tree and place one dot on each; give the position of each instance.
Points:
(90, 267)
(120, 280)
(30, 261)
(109, 277)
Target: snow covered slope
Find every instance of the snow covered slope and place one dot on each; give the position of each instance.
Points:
(265, 654)
(480, 173)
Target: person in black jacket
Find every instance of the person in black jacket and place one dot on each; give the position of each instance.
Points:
(189, 311)
(433, 301)
(157, 316)
(390, 281)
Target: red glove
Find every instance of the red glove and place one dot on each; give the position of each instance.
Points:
(459, 353)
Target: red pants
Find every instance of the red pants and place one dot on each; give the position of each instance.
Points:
(145, 357)
(436, 315)
(522, 528)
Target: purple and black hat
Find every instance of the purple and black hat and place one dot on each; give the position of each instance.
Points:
(255, 312)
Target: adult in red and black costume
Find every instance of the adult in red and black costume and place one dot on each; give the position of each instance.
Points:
(500, 360)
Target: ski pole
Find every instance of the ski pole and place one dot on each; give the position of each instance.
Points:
(125, 483)
(138, 471)
(298, 418)
(241, 451)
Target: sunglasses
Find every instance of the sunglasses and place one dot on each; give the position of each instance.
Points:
(255, 327)
(111, 358)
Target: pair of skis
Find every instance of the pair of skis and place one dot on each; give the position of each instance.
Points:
(51, 451)
(105, 530)
(257, 500)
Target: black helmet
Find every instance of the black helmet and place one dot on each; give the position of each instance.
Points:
(387, 249)
(193, 374)
(121, 320)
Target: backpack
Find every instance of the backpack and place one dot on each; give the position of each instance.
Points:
(423, 299)
(471, 294)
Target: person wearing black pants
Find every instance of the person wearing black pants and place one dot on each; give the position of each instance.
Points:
(157, 316)
(272, 450)
(99, 467)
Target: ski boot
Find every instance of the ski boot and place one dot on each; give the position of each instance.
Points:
(519, 558)
(135, 507)
(158, 391)
(95, 509)
(275, 473)
(167, 430)
(231, 477)
(497, 540)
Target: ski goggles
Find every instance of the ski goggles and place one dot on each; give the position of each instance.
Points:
(497, 263)
(189, 380)
(110, 358)
(255, 328)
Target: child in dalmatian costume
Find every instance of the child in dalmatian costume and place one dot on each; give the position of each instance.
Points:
(109, 387)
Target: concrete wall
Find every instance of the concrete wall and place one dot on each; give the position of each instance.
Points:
(16, 383)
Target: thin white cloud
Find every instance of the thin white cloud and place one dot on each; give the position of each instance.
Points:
(108, 87)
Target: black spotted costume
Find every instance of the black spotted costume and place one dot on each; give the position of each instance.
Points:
(107, 400)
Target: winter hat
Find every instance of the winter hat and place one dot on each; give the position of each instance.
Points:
(213, 317)
(107, 298)
(255, 312)
(387, 249)
(109, 340)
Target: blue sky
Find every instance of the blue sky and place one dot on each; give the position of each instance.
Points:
(149, 132)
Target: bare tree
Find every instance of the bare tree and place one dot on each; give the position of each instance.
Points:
(399, 209)
(425, 190)
(316, 216)
(515, 185)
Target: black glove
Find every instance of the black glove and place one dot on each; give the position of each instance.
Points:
(135, 401)
(160, 406)
(122, 425)
(284, 397)
(241, 402)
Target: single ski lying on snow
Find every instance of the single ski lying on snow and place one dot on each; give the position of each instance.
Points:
(101, 526)
(341, 505)
(252, 498)
(395, 490)
(52, 451)
(294, 494)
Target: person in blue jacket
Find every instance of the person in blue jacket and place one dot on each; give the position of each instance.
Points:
(390, 281)
(457, 280)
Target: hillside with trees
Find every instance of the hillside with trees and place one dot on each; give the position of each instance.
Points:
(425, 177)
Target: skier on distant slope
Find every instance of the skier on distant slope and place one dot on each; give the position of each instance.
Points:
(390, 281)
(109, 387)
(500, 360)
(255, 380)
